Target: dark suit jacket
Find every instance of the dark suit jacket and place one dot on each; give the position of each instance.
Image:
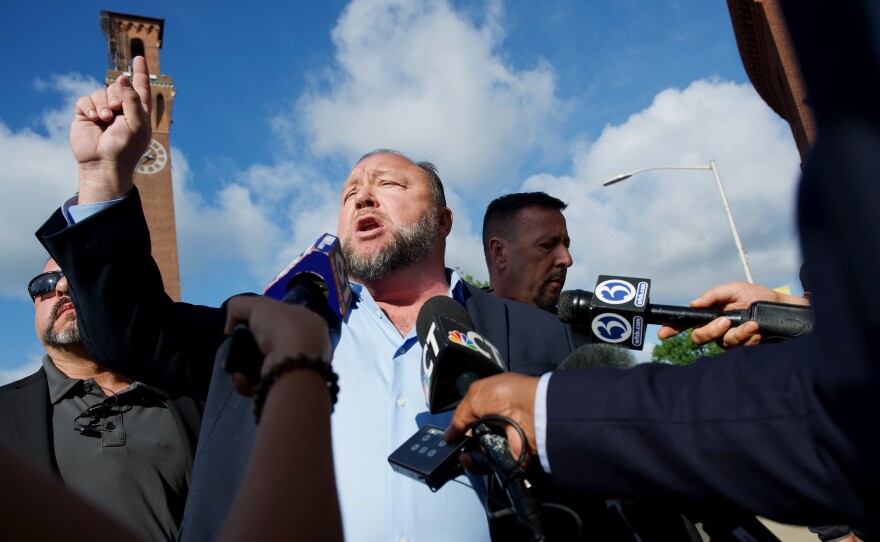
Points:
(173, 345)
(26, 420)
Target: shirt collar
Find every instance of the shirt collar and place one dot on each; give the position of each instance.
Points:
(456, 288)
(61, 385)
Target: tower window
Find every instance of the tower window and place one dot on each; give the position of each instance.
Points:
(160, 109)
(137, 48)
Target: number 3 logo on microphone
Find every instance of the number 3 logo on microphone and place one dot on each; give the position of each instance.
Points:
(611, 328)
(615, 291)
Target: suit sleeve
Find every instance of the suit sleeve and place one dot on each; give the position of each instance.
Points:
(125, 318)
(748, 428)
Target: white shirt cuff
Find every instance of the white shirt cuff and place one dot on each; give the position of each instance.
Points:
(541, 420)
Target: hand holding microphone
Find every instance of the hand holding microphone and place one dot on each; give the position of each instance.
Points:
(279, 330)
(317, 280)
(454, 359)
(620, 309)
(461, 367)
(511, 395)
(729, 297)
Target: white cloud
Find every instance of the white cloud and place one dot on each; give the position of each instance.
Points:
(262, 219)
(39, 172)
(464, 246)
(231, 225)
(670, 226)
(431, 82)
(17, 373)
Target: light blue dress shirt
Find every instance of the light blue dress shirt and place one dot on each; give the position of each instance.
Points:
(381, 405)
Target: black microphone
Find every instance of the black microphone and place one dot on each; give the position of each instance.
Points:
(575, 308)
(453, 357)
(317, 279)
(776, 320)
(453, 354)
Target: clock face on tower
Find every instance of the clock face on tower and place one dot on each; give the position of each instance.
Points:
(154, 159)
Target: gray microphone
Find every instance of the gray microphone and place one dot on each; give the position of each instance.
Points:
(598, 356)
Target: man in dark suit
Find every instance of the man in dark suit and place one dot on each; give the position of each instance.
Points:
(393, 223)
(784, 430)
(124, 446)
(525, 241)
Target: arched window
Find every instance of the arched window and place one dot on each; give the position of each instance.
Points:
(160, 108)
(137, 49)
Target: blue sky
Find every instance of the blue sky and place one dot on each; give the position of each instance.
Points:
(275, 103)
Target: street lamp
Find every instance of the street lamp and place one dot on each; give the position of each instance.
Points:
(739, 246)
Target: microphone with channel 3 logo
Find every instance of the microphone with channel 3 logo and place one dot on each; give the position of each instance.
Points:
(619, 309)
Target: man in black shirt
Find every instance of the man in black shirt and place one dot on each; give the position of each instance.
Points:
(122, 445)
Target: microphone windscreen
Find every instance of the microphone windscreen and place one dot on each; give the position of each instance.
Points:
(440, 305)
(597, 356)
(573, 306)
(563, 306)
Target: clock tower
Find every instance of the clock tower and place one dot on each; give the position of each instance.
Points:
(129, 36)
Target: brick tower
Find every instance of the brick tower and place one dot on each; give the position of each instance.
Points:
(129, 36)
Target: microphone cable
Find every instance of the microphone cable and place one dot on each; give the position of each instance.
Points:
(512, 476)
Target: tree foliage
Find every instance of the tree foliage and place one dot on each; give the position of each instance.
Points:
(681, 350)
(467, 277)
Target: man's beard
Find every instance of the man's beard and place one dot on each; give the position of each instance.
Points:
(546, 300)
(67, 336)
(408, 245)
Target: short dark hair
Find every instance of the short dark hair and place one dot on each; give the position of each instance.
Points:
(438, 196)
(501, 212)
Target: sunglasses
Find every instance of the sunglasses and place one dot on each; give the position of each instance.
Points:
(44, 283)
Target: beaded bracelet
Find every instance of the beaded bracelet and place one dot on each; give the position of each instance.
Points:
(318, 365)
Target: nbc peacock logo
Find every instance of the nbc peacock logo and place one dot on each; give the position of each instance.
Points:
(462, 339)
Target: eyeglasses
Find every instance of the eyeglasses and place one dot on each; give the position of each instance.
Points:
(44, 283)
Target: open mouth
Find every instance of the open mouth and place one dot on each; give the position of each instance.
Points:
(368, 224)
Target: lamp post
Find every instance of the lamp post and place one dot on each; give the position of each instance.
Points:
(711, 166)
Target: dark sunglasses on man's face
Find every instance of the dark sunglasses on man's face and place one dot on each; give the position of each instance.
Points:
(44, 283)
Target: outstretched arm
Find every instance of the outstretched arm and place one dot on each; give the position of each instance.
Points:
(125, 318)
